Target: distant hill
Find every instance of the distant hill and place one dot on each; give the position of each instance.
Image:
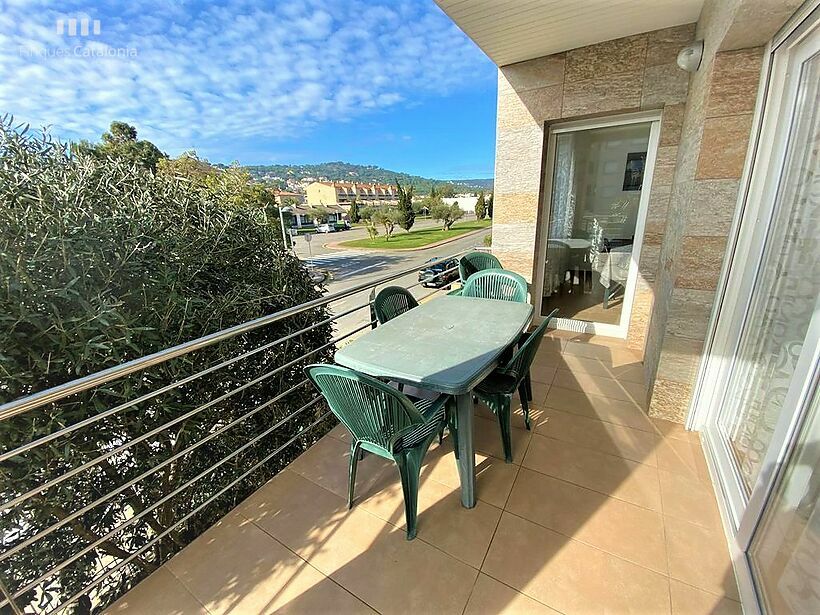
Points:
(344, 171)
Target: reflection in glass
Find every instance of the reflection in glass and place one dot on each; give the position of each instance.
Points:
(597, 184)
(784, 298)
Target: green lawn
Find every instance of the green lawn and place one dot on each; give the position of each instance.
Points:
(419, 238)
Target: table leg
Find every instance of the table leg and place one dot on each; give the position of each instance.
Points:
(466, 452)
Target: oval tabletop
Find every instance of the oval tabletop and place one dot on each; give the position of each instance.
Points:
(447, 345)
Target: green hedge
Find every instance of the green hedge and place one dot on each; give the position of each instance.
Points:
(102, 262)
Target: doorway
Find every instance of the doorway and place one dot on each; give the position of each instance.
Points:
(757, 401)
(597, 178)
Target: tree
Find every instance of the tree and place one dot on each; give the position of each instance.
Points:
(490, 206)
(406, 216)
(121, 142)
(372, 231)
(102, 263)
(447, 191)
(388, 218)
(353, 212)
(448, 214)
(480, 207)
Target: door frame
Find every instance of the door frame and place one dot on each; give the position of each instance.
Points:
(653, 118)
(775, 109)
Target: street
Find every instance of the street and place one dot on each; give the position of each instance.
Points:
(352, 267)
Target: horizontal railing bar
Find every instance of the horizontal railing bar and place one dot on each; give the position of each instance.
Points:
(89, 464)
(158, 503)
(162, 535)
(106, 413)
(41, 398)
(32, 539)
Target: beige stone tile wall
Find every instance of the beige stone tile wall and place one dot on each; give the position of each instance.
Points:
(716, 129)
(705, 130)
(623, 75)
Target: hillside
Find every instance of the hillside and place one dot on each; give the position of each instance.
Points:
(343, 171)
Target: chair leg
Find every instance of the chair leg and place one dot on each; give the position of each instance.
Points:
(503, 402)
(452, 424)
(528, 380)
(409, 463)
(522, 393)
(355, 449)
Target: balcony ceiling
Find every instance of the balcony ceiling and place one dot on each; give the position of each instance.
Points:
(510, 31)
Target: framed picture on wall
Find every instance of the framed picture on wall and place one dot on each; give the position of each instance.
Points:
(633, 174)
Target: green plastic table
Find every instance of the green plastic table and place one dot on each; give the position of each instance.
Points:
(448, 345)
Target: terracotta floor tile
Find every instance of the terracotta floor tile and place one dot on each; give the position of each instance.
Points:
(161, 592)
(615, 526)
(313, 522)
(540, 390)
(676, 431)
(615, 355)
(540, 372)
(487, 439)
(395, 575)
(490, 597)
(687, 600)
(626, 413)
(442, 520)
(684, 458)
(570, 576)
(606, 387)
(326, 464)
(606, 437)
(627, 480)
(494, 478)
(235, 567)
(630, 372)
(689, 499)
(700, 557)
(340, 432)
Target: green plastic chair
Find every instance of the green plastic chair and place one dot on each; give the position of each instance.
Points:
(496, 284)
(497, 389)
(391, 302)
(473, 262)
(385, 422)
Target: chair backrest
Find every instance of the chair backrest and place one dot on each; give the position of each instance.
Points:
(393, 301)
(474, 262)
(522, 359)
(496, 284)
(373, 411)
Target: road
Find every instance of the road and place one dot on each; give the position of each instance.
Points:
(348, 268)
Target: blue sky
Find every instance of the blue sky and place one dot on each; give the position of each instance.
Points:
(382, 82)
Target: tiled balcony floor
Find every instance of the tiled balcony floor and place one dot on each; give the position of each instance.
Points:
(603, 511)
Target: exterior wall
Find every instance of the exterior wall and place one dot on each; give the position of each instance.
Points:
(628, 74)
(717, 126)
(705, 132)
(319, 193)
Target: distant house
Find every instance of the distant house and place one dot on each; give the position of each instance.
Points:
(283, 197)
(306, 216)
(344, 193)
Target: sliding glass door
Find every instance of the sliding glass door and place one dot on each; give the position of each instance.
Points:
(598, 174)
(758, 396)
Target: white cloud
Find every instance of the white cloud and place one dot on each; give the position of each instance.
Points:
(187, 72)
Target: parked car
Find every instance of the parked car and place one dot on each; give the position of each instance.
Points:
(439, 272)
(326, 228)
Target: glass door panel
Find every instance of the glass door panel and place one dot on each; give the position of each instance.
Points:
(597, 183)
(784, 296)
(786, 545)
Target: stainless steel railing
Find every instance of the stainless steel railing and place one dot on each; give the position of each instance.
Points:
(42, 584)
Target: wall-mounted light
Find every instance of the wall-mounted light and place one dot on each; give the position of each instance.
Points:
(690, 57)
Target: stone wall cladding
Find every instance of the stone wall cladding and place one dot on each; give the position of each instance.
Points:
(716, 129)
(619, 76)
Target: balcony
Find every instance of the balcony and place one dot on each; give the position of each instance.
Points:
(603, 510)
